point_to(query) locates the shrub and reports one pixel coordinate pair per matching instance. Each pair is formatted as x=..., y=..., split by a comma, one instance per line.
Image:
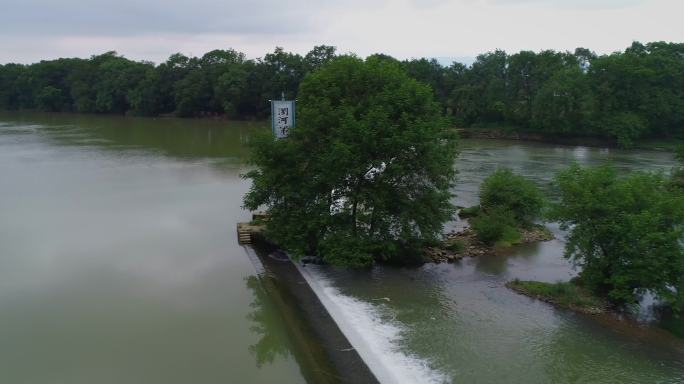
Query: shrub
x=505, y=190
x=510, y=236
x=457, y=246
x=491, y=227
x=468, y=212
x=344, y=248
x=677, y=179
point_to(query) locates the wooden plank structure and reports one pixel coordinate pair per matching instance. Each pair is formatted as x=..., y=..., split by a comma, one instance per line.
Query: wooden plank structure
x=246, y=230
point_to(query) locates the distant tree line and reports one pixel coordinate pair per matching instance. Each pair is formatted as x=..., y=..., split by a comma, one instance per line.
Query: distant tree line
x=624, y=95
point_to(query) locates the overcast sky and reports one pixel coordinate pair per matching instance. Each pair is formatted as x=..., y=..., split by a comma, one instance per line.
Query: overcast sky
x=31, y=30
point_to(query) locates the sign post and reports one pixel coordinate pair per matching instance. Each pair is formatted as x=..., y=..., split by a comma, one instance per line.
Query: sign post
x=282, y=117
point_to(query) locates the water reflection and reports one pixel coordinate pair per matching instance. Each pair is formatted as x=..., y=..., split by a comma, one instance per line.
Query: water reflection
x=220, y=140
x=118, y=262
x=266, y=324
x=285, y=322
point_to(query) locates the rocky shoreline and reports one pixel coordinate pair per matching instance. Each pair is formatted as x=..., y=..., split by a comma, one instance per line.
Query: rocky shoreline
x=457, y=245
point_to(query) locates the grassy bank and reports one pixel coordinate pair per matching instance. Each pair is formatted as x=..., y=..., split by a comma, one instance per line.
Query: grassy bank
x=562, y=294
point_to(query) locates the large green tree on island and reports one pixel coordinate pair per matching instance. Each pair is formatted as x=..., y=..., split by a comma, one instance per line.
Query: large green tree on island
x=365, y=175
x=625, y=233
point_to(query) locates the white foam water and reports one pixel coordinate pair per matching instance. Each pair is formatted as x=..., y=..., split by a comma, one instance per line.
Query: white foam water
x=375, y=339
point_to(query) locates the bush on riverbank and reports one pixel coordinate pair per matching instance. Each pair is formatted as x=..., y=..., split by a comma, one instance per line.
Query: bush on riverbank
x=677, y=178
x=508, y=203
x=624, y=231
x=506, y=190
x=494, y=226
x=468, y=212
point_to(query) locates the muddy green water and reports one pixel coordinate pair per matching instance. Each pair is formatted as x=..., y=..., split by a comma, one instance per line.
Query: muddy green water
x=119, y=264
x=118, y=257
x=459, y=323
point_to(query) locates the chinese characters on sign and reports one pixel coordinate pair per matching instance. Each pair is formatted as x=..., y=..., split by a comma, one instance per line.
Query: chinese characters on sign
x=283, y=117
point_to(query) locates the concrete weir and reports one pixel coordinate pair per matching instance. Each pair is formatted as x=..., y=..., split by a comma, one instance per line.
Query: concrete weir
x=320, y=347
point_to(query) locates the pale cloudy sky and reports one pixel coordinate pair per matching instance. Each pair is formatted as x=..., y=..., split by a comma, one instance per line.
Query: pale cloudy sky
x=31, y=30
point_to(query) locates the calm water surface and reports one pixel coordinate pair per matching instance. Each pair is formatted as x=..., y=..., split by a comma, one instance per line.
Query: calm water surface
x=119, y=264
x=118, y=258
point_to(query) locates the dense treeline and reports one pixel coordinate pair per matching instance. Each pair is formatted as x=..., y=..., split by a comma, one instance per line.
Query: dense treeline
x=625, y=95
x=220, y=82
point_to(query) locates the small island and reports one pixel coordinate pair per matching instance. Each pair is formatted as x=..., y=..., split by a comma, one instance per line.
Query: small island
x=624, y=232
x=510, y=205
x=466, y=243
x=367, y=178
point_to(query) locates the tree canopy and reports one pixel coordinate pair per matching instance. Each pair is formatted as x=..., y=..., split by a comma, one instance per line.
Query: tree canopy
x=508, y=202
x=507, y=190
x=365, y=175
x=625, y=232
x=623, y=96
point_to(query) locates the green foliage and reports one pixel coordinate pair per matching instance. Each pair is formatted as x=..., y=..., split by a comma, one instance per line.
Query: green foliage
x=494, y=225
x=625, y=127
x=456, y=246
x=343, y=248
x=511, y=236
x=319, y=56
x=219, y=82
x=468, y=212
x=505, y=190
x=564, y=103
x=625, y=96
x=49, y=99
x=625, y=232
x=367, y=173
x=507, y=201
x=679, y=154
x=564, y=294
x=677, y=178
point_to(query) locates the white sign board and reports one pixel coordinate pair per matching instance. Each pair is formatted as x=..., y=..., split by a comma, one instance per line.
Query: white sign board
x=283, y=117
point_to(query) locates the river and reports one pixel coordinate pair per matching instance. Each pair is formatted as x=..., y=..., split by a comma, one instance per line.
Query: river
x=119, y=263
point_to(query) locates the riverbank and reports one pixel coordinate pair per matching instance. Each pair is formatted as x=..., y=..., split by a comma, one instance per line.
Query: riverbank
x=653, y=144
x=486, y=133
x=562, y=294
x=465, y=243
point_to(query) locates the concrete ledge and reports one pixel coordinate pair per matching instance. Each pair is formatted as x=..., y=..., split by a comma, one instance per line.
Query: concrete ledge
x=322, y=350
